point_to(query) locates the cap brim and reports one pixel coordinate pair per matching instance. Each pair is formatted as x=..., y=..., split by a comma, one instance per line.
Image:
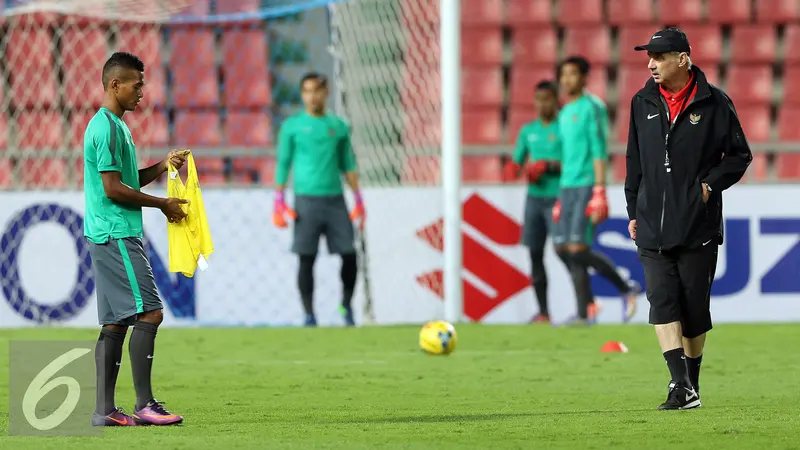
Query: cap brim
x=655, y=48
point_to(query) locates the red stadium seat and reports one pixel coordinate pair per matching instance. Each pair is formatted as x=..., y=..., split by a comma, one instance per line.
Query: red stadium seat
x=30, y=64
x=44, y=173
x=598, y=82
x=482, y=12
x=149, y=128
x=624, y=12
x=481, y=46
x=477, y=169
x=254, y=170
x=593, y=43
x=481, y=86
x=246, y=68
x=706, y=41
x=788, y=118
x=193, y=68
x=630, y=37
x=238, y=6
x=756, y=122
x=248, y=128
x=85, y=48
x=421, y=170
x=78, y=121
x=3, y=132
x=791, y=44
x=6, y=174
x=787, y=166
x=791, y=89
x=759, y=168
x=712, y=74
x=197, y=129
x=535, y=46
x=753, y=44
x=518, y=118
x=729, y=12
x=750, y=85
x=622, y=122
x=619, y=167
x=630, y=79
x=482, y=127
x=524, y=81
x=673, y=12
x=580, y=12
x=39, y=130
x=529, y=12
x=210, y=171
x=197, y=8
x=777, y=11
x=145, y=42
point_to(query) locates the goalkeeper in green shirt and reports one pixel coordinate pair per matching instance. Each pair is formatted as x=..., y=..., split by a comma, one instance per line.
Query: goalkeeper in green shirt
x=582, y=202
x=538, y=155
x=316, y=145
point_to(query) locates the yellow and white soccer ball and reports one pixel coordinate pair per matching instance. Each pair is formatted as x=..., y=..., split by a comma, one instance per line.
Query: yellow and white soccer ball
x=437, y=338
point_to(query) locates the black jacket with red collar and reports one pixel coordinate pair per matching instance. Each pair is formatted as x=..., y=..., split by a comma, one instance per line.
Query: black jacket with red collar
x=668, y=163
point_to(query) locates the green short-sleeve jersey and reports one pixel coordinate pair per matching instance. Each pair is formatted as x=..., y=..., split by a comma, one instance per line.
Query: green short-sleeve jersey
x=583, y=128
x=108, y=146
x=318, y=149
x=539, y=141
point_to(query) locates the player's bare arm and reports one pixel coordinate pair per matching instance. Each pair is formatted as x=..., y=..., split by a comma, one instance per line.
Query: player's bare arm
x=117, y=191
x=149, y=174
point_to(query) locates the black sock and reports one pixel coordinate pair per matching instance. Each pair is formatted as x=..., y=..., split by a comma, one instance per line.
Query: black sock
x=676, y=361
x=583, y=287
x=141, y=347
x=693, y=365
x=305, y=282
x=349, y=275
x=107, y=358
x=539, y=280
x=603, y=266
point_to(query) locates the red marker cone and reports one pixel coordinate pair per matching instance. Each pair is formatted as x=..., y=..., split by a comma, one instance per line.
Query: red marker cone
x=614, y=347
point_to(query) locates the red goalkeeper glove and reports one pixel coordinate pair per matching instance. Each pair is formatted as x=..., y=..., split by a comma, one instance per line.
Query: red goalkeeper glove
x=511, y=171
x=281, y=210
x=535, y=170
x=358, y=214
x=597, y=208
x=557, y=211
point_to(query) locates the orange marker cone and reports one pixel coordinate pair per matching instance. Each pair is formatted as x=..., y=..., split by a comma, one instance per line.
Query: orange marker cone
x=614, y=347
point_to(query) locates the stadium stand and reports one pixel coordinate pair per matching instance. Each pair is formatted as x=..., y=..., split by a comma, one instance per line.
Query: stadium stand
x=212, y=87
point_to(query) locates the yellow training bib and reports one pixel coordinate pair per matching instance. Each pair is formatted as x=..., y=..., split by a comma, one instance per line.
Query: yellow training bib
x=190, y=242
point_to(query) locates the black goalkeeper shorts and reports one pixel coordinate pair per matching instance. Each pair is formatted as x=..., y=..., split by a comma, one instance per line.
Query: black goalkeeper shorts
x=679, y=286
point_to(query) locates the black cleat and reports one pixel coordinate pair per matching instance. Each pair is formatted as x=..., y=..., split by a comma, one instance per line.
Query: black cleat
x=681, y=397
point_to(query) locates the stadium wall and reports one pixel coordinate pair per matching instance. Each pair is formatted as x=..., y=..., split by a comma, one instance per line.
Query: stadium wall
x=46, y=273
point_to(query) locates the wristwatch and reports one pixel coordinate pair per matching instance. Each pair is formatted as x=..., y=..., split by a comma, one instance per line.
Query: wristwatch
x=708, y=188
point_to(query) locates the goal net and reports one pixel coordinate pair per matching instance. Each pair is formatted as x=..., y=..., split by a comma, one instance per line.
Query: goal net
x=221, y=77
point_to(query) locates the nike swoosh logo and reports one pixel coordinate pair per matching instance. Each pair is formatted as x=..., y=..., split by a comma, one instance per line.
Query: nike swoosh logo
x=689, y=396
x=652, y=116
x=151, y=356
x=707, y=242
x=121, y=422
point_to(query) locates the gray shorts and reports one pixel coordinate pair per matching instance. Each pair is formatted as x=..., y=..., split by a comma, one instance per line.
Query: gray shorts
x=574, y=227
x=317, y=216
x=538, y=221
x=123, y=280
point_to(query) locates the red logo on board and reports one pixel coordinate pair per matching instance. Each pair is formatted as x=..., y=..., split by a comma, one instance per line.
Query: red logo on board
x=505, y=279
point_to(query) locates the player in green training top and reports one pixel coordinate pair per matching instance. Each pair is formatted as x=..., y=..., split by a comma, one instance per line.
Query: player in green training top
x=539, y=151
x=582, y=203
x=125, y=287
x=316, y=145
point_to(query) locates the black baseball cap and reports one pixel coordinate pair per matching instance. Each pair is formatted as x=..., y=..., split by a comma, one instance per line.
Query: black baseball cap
x=667, y=40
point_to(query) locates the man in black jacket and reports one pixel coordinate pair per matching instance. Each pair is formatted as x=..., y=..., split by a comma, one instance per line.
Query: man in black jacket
x=685, y=147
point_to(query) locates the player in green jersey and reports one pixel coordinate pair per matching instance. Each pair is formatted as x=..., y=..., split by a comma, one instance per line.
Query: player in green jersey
x=582, y=202
x=124, y=283
x=316, y=145
x=538, y=150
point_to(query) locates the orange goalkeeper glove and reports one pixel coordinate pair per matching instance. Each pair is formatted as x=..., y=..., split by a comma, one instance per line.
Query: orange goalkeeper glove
x=281, y=210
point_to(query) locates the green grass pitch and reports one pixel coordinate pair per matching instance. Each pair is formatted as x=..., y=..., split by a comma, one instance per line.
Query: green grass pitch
x=504, y=387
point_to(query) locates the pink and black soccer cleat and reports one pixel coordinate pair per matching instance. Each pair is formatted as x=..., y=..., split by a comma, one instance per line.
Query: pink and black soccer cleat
x=153, y=413
x=540, y=318
x=116, y=418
